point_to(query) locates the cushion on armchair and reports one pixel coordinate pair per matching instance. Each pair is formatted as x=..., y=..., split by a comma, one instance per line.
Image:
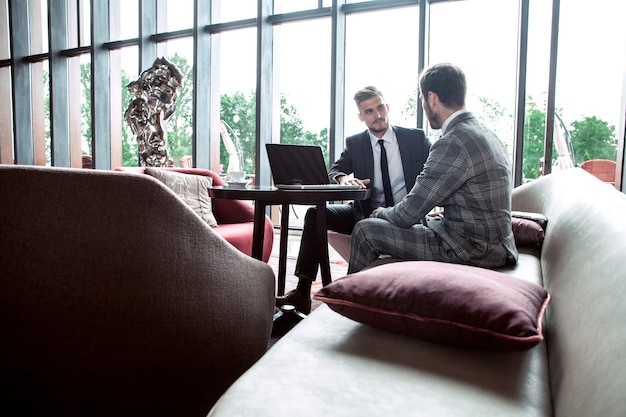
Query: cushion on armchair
x=192, y=189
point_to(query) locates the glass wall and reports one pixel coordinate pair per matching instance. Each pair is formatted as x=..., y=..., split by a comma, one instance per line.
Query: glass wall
x=236, y=78
x=124, y=24
x=229, y=11
x=311, y=66
x=537, y=82
x=590, y=65
x=179, y=126
x=6, y=92
x=466, y=34
x=173, y=15
x=128, y=69
x=382, y=50
x=287, y=6
x=302, y=75
x=39, y=82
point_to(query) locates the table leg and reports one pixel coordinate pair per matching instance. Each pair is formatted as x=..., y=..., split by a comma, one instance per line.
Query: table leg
x=282, y=256
x=322, y=237
x=258, y=234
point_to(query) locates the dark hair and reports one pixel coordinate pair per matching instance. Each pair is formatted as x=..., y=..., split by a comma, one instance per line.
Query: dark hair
x=447, y=81
x=366, y=93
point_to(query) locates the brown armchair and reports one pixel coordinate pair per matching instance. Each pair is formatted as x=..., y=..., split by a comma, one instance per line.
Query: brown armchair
x=117, y=299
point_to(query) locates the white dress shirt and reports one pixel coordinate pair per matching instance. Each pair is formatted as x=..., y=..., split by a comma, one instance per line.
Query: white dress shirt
x=396, y=173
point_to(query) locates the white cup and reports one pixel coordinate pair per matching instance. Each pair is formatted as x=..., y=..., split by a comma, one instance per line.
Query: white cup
x=237, y=176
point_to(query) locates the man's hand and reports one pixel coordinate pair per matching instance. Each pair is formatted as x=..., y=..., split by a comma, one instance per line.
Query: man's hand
x=350, y=180
x=376, y=211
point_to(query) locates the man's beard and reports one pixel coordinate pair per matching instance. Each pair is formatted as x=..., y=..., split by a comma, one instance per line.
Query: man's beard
x=432, y=118
x=380, y=130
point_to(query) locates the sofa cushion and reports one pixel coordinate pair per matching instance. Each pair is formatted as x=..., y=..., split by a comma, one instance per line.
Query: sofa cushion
x=528, y=228
x=527, y=232
x=192, y=189
x=443, y=303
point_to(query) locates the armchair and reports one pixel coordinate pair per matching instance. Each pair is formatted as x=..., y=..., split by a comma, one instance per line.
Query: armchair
x=117, y=299
x=603, y=169
x=235, y=218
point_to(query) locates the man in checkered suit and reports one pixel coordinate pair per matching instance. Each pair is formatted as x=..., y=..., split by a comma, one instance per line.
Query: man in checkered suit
x=467, y=174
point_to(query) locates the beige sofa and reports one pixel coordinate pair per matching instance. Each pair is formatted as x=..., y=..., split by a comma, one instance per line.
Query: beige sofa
x=329, y=365
x=117, y=299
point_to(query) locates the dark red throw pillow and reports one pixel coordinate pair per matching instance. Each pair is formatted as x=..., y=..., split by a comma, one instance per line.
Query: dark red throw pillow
x=443, y=303
x=527, y=232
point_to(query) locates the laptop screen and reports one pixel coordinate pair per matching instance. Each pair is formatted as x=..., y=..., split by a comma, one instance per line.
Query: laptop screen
x=297, y=164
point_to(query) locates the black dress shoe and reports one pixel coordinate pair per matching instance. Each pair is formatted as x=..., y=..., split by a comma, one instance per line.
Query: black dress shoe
x=295, y=299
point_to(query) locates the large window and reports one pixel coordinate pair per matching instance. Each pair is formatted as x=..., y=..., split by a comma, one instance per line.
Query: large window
x=124, y=24
x=589, y=70
x=179, y=126
x=303, y=80
x=286, y=6
x=173, y=15
x=64, y=93
x=229, y=11
x=382, y=50
x=236, y=77
x=6, y=93
x=466, y=34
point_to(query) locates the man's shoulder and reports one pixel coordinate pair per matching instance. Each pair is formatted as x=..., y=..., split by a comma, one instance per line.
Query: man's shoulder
x=465, y=120
x=407, y=129
x=412, y=132
x=364, y=135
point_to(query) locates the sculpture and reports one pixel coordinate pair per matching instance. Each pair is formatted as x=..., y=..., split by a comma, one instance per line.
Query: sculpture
x=155, y=100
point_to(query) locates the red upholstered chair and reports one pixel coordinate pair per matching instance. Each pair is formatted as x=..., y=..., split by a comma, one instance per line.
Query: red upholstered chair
x=235, y=218
x=603, y=169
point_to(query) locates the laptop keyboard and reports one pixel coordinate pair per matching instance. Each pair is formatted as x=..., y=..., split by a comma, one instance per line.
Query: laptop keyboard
x=317, y=187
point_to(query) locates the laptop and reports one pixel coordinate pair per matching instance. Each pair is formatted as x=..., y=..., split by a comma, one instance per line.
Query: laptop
x=300, y=167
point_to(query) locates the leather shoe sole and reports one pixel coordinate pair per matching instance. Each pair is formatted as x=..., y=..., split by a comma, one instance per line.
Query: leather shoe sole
x=295, y=299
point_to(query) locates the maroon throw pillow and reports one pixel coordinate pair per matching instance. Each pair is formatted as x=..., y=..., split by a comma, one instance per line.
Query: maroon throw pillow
x=527, y=232
x=443, y=303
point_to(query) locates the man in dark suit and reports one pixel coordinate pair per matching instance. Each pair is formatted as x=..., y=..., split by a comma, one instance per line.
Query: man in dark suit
x=467, y=173
x=406, y=151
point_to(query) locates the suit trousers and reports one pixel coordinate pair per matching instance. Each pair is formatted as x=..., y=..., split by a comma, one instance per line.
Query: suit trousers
x=375, y=237
x=339, y=218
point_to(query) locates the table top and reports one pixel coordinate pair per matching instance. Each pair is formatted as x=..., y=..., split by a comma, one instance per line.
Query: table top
x=278, y=196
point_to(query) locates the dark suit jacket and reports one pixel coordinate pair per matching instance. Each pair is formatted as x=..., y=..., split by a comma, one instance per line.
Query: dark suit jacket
x=358, y=158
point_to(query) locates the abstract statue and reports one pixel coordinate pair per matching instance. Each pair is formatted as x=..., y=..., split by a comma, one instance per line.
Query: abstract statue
x=155, y=95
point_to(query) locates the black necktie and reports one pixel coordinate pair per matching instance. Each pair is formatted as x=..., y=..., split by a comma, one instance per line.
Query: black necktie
x=385, y=171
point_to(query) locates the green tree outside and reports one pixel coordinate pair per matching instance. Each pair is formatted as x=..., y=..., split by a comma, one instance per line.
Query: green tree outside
x=534, y=138
x=85, y=105
x=591, y=137
x=178, y=127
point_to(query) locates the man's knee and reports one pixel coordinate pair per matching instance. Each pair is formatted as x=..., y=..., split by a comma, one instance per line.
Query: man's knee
x=310, y=216
x=360, y=231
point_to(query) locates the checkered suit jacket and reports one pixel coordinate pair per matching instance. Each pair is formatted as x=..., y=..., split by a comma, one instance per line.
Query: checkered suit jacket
x=467, y=173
